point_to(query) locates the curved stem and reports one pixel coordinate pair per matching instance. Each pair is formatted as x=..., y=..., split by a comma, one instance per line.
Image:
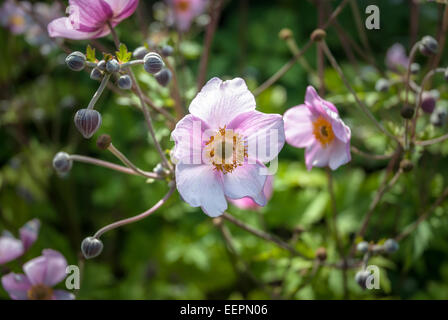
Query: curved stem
x=98, y=92
x=139, y=217
x=112, y=166
x=407, y=86
x=432, y=141
x=371, y=156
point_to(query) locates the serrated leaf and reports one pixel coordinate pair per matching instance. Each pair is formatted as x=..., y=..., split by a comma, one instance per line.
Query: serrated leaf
x=90, y=54
x=123, y=55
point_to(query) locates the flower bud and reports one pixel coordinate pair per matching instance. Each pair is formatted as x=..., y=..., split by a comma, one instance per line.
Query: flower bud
x=285, y=34
x=167, y=50
x=96, y=74
x=91, y=247
x=103, y=142
x=321, y=254
x=428, y=46
x=362, y=247
x=140, y=53
x=87, y=121
x=407, y=112
x=406, y=165
x=153, y=63
x=318, y=35
x=415, y=68
x=124, y=82
x=62, y=162
x=382, y=85
x=429, y=99
x=112, y=66
x=101, y=65
x=163, y=77
x=439, y=117
x=159, y=170
x=446, y=74
x=361, y=278
x=76, y=61
x=391, y=246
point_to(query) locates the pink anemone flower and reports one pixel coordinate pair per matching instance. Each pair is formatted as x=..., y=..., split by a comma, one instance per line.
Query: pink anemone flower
x=41, y=274
x=396, y=57
x=249, y=204
x=89, y=19
x=316, y=126
x=12, y=248
x=220, y=147
x=184, y=11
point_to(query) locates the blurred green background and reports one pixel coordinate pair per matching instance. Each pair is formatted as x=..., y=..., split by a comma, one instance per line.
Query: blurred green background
x=178, y=253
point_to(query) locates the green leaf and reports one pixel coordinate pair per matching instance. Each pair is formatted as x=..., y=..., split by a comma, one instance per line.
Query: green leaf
x=90, y=54
x=123, y=55
x=107, y=56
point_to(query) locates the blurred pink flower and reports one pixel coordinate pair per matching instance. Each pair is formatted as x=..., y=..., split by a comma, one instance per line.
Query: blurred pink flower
x=88, y=18
x=41, y=274
x=249, y=204
x=14, y=17
x=185, y=11
x=316, y=126
x=12, y=248
x=219, y=147
x=396, y=57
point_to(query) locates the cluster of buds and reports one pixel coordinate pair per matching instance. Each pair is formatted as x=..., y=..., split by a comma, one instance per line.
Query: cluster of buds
x=389, y=246
x=153, y=63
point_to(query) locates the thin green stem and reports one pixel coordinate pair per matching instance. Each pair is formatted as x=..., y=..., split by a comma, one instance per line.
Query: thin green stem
x=99, y=92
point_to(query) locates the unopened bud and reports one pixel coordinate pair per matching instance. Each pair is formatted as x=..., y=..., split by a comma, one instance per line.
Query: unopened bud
x=382, y=85
x=91, y=247
x=76, y=61
x=87, y=121
x=321, y=254
x=101, y=65
x=391, y=246
x=62, y=162
x=407, y=112
x=428, y=46
x=361, y=278
x=429, y=99
x=153, y=63
x=167, y=50
x=415, y=68
x=140, y=53
x=112, y=66
x=285, y=34
x=163, y=77
x=362, y=247
x=124, y=82
x=103, y=141
x=318, y=35
x=96, y=74
x=439, y=117
x=406, y=165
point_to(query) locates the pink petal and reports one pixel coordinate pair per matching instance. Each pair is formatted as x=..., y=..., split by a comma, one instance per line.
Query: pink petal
x=188, y=138
x=201, y=186
x=63, y=28
x=29, y=233
x=340, y=154
x=48, y=269
x=317, y=156
x=17, y=285
x=246, y=181
x=248, y=203
x=63, y=295
x=10, y=248
x=264, y=133
x=92, y=13
x=313, y=99
x=299, y=126
x=122, y=8
x=219, y=102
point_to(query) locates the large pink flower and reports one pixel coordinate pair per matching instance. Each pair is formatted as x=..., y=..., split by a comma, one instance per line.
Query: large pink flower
x=184, y=11
x=249, y=204
x=316, y=126
x=12, y=248
x=88, y=18
x=41, y=274
x=221, y=147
